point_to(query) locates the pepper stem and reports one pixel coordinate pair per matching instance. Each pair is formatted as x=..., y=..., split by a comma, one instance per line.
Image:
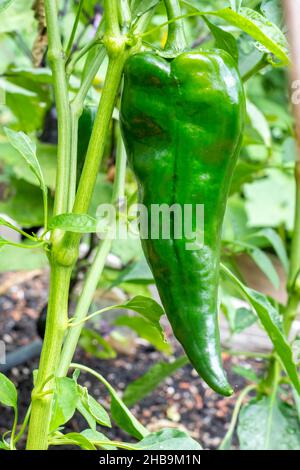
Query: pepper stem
x=176, y=38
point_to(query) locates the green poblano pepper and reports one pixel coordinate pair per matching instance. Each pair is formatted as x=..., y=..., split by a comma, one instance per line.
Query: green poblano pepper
x=182, y=122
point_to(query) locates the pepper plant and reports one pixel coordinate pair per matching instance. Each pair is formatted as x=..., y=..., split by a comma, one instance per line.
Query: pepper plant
x=183, y=135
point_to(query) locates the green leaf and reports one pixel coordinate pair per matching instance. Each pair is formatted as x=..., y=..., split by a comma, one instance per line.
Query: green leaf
x=268, y=424
x=46, y=154
x=272, y=10
x=266, y=265
x=259, y=123
x=145, y=384
x=79, y=439
x=95, y=413
x=27, y=149
x=97, y=437
x=78, y=223
x=246, y=372
x=86, y=414
x=65, y=401
x=147, y=307
x=257, y=26
x=24, y=204
x=271, y=321
x=94, y=344
x=5, y=4
x=98, y=412
x=120, y=413
x=168, y=439
x=139, y=7
x=16, y=16
x=270, y=200
x=145, y=330
x=13, y=259
x=152, y=312
x=137, y=273
x=277, y=244
x=8, y=392
x=223, y=40
x=4, y=446
x=243, y=319
x=124, y=418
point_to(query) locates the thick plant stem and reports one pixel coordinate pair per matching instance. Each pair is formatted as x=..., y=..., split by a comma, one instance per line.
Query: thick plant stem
x=96, y=269
x=56, y=60
x=57, y=314
x=69, y=244
x=57, y=321
x=83, y=306
x=176, y=38
x=98, y=137
x=76, y=111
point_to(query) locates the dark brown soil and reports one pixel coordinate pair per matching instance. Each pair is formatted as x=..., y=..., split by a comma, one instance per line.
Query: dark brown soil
x=183, y=400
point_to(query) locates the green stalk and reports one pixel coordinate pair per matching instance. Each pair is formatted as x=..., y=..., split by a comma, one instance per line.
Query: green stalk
x=57, y=322
x=70, y=242
x=76, y=111
x=81, y=53
x=226, y=442
x=295, y=247
x=125, y=14
x=95, y=270
x=57, y=315
x=98, y=138
x=176, y=38
x=74, y=29
x=112, y=18
x=56, y=60
x=83, y=306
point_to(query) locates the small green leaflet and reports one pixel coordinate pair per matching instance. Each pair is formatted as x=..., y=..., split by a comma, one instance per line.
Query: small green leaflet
x=79, y=223
x=256, y=25
x=276, y=242
x=153, y=334
x=66, y=397
x=265, y=264
x=147, y=307
x=94, y=408
x=27, y=149
x=145, y=384
x=139, y=7
x=259, y=123
x=168, y=439
x=8, y=392
x=99, y=439
x=79, y=440
x=119, y=411
x=151, y=311
x=271, y=321
x=223, y=39
x=261, y=29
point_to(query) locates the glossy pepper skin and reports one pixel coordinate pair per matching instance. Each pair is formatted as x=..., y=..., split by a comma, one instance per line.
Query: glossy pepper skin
x=182, y=122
